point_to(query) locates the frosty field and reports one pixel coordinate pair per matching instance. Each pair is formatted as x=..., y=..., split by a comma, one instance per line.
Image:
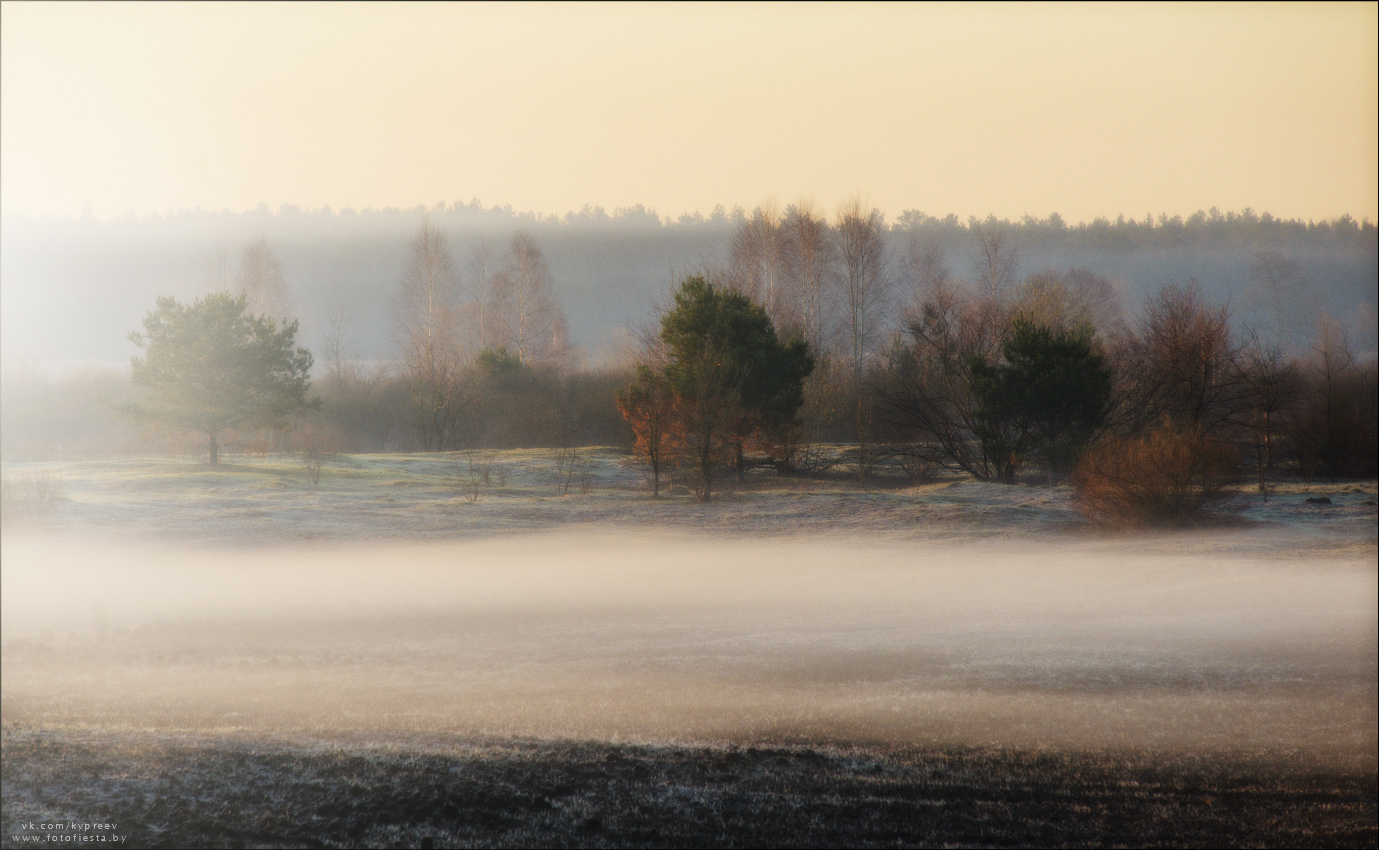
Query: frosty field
x=403, y=652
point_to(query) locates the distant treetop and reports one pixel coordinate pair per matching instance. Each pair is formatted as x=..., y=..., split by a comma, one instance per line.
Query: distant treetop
x=1202, y=229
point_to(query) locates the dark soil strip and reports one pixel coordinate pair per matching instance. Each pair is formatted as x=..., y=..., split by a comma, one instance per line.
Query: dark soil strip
x=171, y=792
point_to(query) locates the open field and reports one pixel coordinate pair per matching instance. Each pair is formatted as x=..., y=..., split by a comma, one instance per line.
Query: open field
x=243, y=658
x=431, y=496
x=176, y=792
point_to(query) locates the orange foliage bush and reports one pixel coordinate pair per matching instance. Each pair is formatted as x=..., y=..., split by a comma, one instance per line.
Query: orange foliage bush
x=1172, y=477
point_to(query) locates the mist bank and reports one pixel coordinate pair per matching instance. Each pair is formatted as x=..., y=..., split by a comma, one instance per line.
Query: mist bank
x=74, y=288
x=654, y=638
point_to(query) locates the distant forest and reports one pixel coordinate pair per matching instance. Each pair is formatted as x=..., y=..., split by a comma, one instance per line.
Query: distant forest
x=73, y=289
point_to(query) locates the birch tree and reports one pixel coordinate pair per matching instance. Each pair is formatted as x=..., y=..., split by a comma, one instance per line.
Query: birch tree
x=864, y=289
x=861, y=278
x=526, y=317
x=756, y=260
x=807, y=245
x=997, y=260
x=425, y=315
x=261, y=281
x=481, y=271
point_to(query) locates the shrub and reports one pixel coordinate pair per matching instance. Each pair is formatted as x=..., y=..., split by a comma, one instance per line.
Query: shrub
x=1171, y=477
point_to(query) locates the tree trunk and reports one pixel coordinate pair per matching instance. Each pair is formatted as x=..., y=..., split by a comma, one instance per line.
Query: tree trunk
x=1268, y=443
x=706, y=471
x=863, y=423
x=215, y=450
x=655, y=478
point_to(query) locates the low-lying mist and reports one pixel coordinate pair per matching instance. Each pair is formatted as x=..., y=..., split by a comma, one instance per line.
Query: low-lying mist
x=645, y=637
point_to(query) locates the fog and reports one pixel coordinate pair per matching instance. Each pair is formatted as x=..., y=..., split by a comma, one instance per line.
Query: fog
x=642, y=637
x=74, y=288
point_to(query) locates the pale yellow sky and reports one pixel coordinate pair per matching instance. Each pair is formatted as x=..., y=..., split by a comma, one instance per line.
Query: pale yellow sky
x=967, y=109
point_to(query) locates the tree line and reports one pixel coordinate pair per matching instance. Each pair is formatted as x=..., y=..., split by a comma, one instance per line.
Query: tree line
x=1211, y=227
x=917, y=352
x=607, y=266
x=1004, y=376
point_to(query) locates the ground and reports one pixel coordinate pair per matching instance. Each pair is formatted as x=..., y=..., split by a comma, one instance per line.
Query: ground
x=404, y=652
x=179, y=793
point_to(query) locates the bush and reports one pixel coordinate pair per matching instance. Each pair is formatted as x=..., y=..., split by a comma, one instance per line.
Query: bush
x=1172, y=477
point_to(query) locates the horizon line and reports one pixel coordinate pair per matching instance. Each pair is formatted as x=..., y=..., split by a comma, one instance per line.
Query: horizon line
x=642, y=213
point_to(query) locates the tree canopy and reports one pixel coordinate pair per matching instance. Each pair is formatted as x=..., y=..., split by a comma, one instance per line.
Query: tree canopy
x=723, y=330
x=728, y=379
x=210, y=367
x=1047, y=397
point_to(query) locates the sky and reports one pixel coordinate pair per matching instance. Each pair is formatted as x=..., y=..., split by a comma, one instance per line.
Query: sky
x=115, y=108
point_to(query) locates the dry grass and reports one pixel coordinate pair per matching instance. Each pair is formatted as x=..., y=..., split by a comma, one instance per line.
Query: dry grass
x=391, y=496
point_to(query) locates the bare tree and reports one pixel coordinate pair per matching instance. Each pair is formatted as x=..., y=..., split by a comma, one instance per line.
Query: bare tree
x=216, y=267
x=339, y=344
x=525, y=315
x=861, y=277
x=1046, y=300
x=997, y=259
x=337, y=339
x=807, y=248
x=1272, y=383
x=924, y=269
x=348, y=413
x=927, y=391
x=261, y=279
x=1099, y=299
x=756, y=261
x=481, y=271
x=1186, y=365
x=826, y=403
x=1278, y=291
x=1335, y=422
x=863, y=284
x=1064, y=300
x=426, y=322
x=810, y=268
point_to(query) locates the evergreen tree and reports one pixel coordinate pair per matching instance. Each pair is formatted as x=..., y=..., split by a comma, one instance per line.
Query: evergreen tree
x=731, y=376
x=210, y=367
x=1047, y=397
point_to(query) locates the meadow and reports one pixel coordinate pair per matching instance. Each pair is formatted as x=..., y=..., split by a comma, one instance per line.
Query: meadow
x=507, y=648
